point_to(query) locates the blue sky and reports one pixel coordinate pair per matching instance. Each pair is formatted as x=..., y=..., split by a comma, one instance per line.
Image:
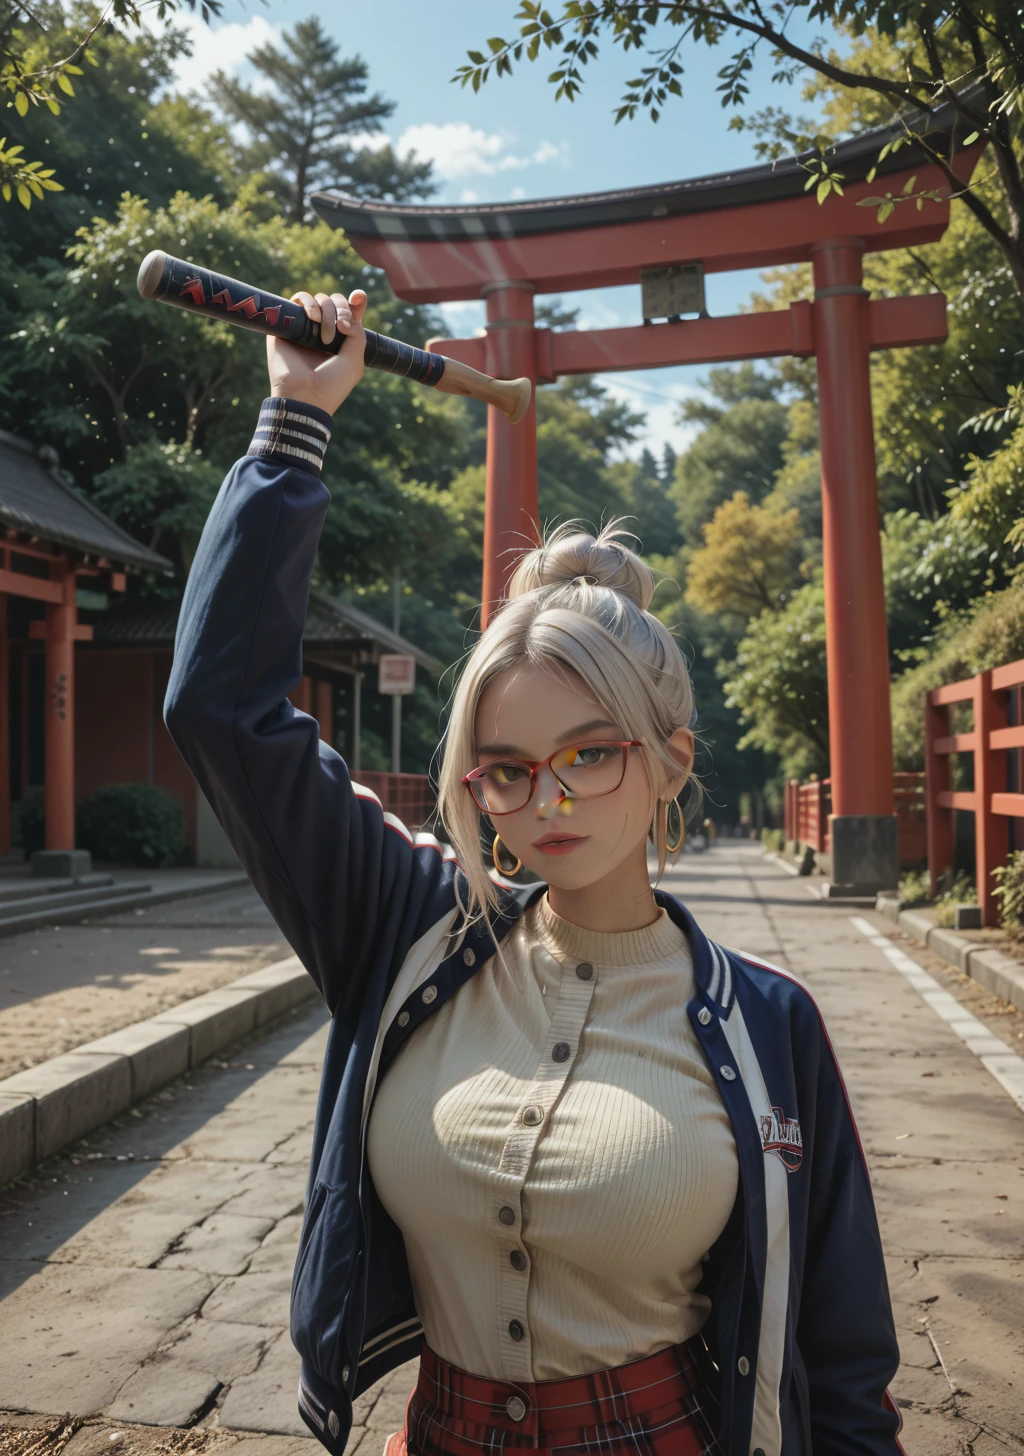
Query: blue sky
x=511, y=139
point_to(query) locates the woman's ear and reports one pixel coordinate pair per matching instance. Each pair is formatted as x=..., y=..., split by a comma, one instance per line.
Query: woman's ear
x=679, y=747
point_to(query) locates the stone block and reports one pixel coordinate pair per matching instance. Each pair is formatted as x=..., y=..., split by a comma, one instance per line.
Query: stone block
x=280, y=986
x=213, y=1021
x=865, y=851
x=17, y=1134
x=61, y=864
x=889, y=906
x=74, y=1094
x=952, y=947
x=156, y=1052
x=222, y=1244
x=997, y=973
x=916, y=923
x=266, y=1400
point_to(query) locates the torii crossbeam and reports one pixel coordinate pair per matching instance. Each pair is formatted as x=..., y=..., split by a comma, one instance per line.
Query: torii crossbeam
x=505, y=253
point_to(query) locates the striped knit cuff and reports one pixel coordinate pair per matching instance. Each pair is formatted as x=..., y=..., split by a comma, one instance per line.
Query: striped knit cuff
x=293, y=433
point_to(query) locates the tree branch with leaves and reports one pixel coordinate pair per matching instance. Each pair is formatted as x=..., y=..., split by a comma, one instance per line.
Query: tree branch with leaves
x=959, y=55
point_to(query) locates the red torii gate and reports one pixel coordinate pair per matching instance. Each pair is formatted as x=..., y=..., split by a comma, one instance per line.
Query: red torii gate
x=758, y=217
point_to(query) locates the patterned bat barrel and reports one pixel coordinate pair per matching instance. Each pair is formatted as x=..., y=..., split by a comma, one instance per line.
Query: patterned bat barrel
x=198, y=290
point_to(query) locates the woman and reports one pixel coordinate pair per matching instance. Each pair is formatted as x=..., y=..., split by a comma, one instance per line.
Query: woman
x=597, y=1172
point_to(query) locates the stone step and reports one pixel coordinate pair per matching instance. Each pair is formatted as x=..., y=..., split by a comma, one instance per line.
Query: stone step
x=111, y=899
x=29, y=889
x=76, y=905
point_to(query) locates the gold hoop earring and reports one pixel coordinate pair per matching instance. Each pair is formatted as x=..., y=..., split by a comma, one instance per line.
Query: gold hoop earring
x=497, y=863
x=674, y=848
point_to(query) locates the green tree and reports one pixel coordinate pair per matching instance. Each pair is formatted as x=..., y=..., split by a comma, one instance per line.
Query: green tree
x=149, y=405
x=748, y=563
x=42, y=47
x=304, y=132
x=117, y=135
x=739, y=448
x=778, y=684
x=968, y=56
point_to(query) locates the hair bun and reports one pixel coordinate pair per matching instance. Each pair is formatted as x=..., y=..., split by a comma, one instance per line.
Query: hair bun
x=571, y=557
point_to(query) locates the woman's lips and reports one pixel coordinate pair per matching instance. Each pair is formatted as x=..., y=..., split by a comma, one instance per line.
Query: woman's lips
x=561, y=845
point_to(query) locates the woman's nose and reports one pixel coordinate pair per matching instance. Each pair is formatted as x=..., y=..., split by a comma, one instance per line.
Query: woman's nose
x=550, y=797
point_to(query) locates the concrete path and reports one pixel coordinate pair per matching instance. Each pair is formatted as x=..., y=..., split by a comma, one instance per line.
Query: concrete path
x=66, y=985
x=144, y=1280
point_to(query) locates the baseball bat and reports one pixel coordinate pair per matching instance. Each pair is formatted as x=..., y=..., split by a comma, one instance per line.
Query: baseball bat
x=186, y=285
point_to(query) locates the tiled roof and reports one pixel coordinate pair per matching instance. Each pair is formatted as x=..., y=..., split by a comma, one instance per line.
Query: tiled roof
x=34, y=500
x=329, y=623
x=768, y=182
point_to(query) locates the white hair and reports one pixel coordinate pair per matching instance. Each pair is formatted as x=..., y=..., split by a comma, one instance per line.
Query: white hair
x=578, y=606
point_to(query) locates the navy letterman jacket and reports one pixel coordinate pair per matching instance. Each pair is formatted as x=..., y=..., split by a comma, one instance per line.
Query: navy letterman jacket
x=800, y=1327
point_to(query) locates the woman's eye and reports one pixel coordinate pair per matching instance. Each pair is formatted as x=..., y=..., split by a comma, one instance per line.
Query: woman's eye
x=505, y=773
x=589, y=757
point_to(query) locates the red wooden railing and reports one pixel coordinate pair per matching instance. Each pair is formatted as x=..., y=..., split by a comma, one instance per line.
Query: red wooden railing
x=409, y=796
x=808, y=806
x=988, y=740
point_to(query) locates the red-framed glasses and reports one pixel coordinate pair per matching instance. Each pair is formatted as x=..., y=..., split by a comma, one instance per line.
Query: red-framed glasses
x=583, y=771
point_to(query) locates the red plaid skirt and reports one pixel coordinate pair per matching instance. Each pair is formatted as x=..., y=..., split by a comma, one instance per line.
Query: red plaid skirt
x=663, y=1405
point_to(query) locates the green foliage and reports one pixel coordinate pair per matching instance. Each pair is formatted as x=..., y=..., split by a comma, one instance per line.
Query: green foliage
x=739, y=449
x=989, y=635
x=748, y=561
x=906, y=57
x=778, y=685
x=113, y=135
x=132, y=824
x=961, y=892
x=914, y=889
x=300, y=130
x=774, y=840
x=1009, y=892
x=162, y=493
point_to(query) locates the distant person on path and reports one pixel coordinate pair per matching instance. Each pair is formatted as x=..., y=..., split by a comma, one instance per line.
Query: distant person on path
x=597, y=1172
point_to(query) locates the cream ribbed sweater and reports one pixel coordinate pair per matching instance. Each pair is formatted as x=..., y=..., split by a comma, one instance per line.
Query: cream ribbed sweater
x=556, y=1155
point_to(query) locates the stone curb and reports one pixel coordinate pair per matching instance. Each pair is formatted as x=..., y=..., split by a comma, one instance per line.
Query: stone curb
x=46, y=1107
x=998, y=973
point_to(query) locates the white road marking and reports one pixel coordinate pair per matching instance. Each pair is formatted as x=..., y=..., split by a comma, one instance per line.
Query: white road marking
x=814, y=893
x=994, y=1055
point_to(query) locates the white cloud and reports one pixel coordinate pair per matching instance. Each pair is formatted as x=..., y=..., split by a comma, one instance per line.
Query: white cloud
x=468, y=195
x=459, y=150
x=517, y=193
x=223, y=48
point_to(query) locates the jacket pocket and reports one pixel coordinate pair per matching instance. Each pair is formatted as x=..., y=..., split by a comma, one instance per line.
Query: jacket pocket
x=321, y=1282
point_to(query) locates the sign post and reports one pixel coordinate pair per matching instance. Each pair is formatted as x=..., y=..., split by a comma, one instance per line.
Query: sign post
x=396, y=678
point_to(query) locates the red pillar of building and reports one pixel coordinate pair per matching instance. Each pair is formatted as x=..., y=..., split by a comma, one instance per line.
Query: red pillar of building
x=59, y=791
x=864, y=830
x=511, y=515
x=323, y=696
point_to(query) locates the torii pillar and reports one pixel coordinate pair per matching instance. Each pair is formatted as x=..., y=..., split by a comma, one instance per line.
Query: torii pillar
x=759, y=217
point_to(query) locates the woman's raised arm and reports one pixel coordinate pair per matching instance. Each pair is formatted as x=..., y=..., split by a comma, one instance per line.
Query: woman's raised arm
x=342, y=879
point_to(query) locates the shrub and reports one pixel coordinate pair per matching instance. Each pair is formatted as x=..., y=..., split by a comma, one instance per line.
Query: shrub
x=774, y=840
x=1010, y=893
x=132, y=824
x=961, y=892
x=914, y=889
x=30, y=822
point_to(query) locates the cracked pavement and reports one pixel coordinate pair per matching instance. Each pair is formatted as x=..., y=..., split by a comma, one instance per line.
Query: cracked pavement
x=144, y=1277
